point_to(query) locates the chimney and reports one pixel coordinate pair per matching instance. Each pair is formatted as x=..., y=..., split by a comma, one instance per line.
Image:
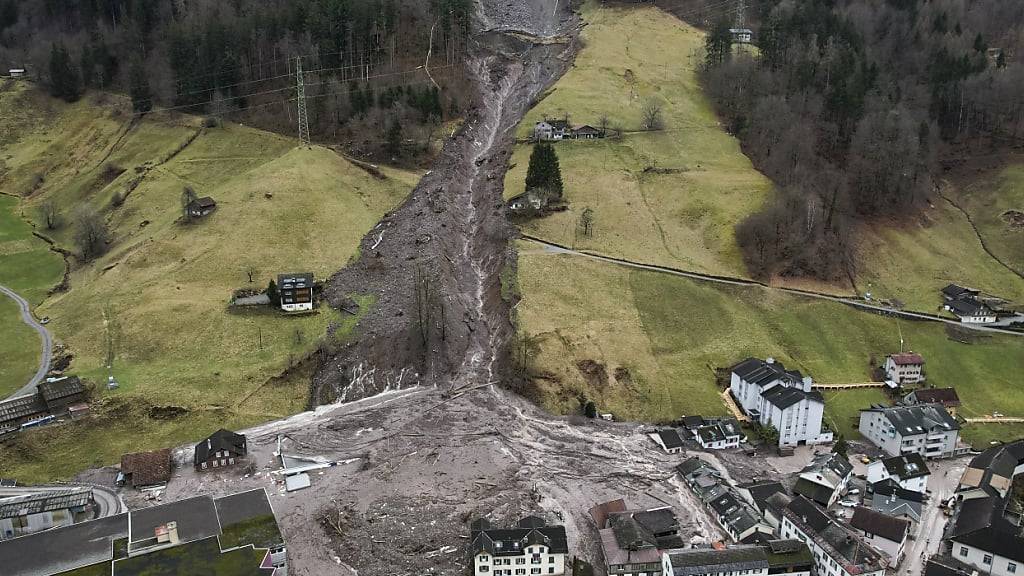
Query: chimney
x=808, y=382
x=209, y=444
x=167, y=534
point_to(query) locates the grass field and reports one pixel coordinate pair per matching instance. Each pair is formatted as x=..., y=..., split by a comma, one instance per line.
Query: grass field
x=681, y=218
x=156, y=303
x=988, y=201
x=28, y=267
x=671, y=333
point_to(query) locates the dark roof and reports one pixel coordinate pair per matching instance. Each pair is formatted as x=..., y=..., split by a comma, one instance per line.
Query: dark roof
x=198, y=557
x=691, y=465
x=784, y=397
x=947, y=566
x=658, y=520
x=906, y=466
x=1003, y=541
x=599, y=513
x=560, y=124
x=725, y=504
x=205, y=202
x=809, y=514
x=300, y=280
x=945, y=396
x=761, y=372
x=968, y=307
x=953, y=291
x=709, y=560
x=917, y=419
x=877, y=523
x=62, y=549
x=220, y=440
x=242, y=506
x=21, y=407
x=24, y=501
x=196, y=518
x=760, y=492
x=670, y=438
x=889, y=487
x=784, y=554
x=61, y=388
x=586, y=129
x=832, y=462
x=511, y=541
x=147, y=468
x=907, y=359
x=692, y=422
x=812, y=490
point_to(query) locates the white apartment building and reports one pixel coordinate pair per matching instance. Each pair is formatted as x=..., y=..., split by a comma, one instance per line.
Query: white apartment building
x=837, y=550
x=925, y=429
x=529, y=549
x=771, y=395
x=909, y=471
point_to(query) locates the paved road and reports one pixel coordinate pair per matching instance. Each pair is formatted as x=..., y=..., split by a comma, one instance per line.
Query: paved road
x=856, y=303
x=44, y=334
x=928, y=536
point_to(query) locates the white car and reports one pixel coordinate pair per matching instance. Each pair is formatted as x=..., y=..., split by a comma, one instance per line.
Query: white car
x=847, y=503
x=853, y=491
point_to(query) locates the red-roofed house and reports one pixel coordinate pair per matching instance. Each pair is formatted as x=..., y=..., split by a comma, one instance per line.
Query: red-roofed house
x=905, y=368
x=945, y=396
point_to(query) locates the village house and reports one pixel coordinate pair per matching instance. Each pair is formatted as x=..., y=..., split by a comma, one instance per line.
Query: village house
x=825, y=479
x=925, y=429
x=771, y=395
x=945, y=565
x=586, y=132
x=888, y=534
x=221, y=449
x=529, y=202
x=908, y=471
x=888, y=497
x=964, y=303
x=548, y=129
x=692, y=422
x=531, y=547
x=945, y=396
x=31, y=509
x=296, y=292
x=720, y=434
x=759, y=494
x=904, y=368
x=669, y=440
x=790, y=557
x=985, y=532
x=144, y=469
x=741, y=521
x=837, y=550
x=201, y=207
x=634, y=540
x=238, y=534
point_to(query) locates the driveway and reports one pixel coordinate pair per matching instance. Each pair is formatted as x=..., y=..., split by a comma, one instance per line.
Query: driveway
x=44, y=335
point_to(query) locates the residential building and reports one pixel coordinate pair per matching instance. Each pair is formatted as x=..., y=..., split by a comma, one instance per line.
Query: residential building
x=945, y=396
x=904, y=368
x=909, y=471
x=227, y=536
x=201, y=207
x=886, y=533
x=771, y=395
x=955, y=292
x=295, y=291
x=925, y=429
x=825, y=479
x=719, y=434
x=773, y=557
x=758, y=493
x=24, y=510
x=221, y=449
x=986, y=529
x=633, y=540
x=887, y=496
x=971, y=311
x=529, y=202
x=586, y=132
x=723, y=501
x=943, y=565
x=668, y=439
x=741, y=35
x=552, y=130
x=143, y=469
x=692, y=422
x=837, y=550
x=530, y=548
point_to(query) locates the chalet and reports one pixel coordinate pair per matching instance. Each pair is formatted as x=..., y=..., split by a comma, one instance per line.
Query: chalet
x=741, y=35
x=201, y=207
x=904, y=368
x=528, y=202
x=223, y=448
x=586, y=132
x=945, y=396
x=494, y=551
x=972, y=311
x=668, y=440
x=908, y=471
x=296, y=291
x=143, y=469
x=886, y=533
x=552, y=130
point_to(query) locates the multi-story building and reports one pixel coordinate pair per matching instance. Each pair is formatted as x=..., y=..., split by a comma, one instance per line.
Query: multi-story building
x=530, y=548
x=633, y=541
x=771, y=395
x=790, y=557
x=232, y=535
x=295, y=291
x=904, y=368
x=837, y=550
x=925, y=429
x=32, y=509
x=724, y=502
x=909, y=471
x=825, y=478
x=886, y=533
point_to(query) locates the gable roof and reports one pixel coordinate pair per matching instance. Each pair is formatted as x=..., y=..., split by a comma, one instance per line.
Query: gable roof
x=147, y=468
x=709, y=560
x=670, y=438
x=947, y=566
x=760, y=492
x=813, y=491
x=968, y=307
x=917, y=419
x=692, y=422
x=511, y=541
x=15, y=502
x=812, y=516
x=906, y=359
x=889, y=488
x=220, y=440
x=763, y=372
x=879, y=524
x=58, y=388
x=21, y=407
x=953, y=291
x=691, y=465
x=784, y=397
x=944, y=396
x=906, y=466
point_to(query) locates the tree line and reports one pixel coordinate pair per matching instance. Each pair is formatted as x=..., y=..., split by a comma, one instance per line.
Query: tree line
x=849, y=105
x=212, y=57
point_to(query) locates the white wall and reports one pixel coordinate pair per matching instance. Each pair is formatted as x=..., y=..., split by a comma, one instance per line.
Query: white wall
x=999, y=565
x=487, y=565
x=894, y=550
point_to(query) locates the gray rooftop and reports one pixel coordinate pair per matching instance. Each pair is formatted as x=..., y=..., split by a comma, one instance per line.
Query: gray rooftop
x=196, y=518
x=62, y=549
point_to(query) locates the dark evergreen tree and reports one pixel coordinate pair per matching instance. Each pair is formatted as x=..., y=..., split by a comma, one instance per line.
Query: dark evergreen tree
x=718, y=44
x=544, y=172
x=64, y=79
x=142, y=97
x=394, y=139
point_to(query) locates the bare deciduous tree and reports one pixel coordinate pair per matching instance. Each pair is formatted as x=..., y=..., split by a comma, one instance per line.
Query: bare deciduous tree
x=50, y=214
x=91, y=235
x=651, y=115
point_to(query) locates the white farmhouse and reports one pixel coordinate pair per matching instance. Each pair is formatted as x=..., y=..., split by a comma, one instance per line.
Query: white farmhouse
x=925, y=429
x=529, y=549
x=552, y=130
x=771, y=395
x=908, y=471
x=904, y=368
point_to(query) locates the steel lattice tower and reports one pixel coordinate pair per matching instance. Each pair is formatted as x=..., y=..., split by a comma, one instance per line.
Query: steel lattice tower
x=301, y=98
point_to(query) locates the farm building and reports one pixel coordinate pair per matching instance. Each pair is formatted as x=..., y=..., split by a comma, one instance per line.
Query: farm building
x=223, y=448
x=201, y=207
x=142, y=469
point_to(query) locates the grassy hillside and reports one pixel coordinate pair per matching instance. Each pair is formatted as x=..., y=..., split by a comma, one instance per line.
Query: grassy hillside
x=996, y=206
x=156, y=303
x=670, y=334
x=28, y=267
x=681, y=214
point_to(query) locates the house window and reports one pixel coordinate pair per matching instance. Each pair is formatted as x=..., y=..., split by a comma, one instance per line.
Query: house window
x=534, y=570
x=485, y=568
x=551, y=570
x=987, y=559
x=204, y=465
x=520, y=560
x=1011, y=567
x=551, y=559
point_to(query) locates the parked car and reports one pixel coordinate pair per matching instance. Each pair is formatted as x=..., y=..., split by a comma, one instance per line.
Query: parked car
x=847, y=503
x=853, y=491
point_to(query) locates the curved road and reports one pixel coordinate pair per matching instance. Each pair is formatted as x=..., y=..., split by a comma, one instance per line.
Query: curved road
x=44, y=334
x=559, y=249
